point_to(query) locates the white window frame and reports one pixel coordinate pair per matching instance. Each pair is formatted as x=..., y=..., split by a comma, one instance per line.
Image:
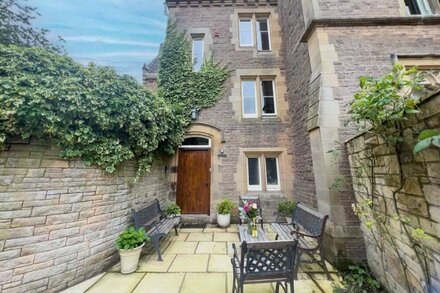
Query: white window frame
x=198, y=38
x=268, y=186
x=254, y=187
x=259, y=41
x=250, y=20
x=274, y=98
x=245, y=115
x=427, y=7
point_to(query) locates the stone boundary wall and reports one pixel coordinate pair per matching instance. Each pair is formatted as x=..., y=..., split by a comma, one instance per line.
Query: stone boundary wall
x=59, y=219
x=417, y=194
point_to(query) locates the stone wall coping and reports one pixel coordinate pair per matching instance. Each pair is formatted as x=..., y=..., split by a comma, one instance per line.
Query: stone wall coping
x=368, y=21
x=210, y=3
x=431, y=96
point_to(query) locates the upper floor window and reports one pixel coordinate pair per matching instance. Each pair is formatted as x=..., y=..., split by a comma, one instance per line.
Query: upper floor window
x=255, y=28
x=422, y=7
x=197, y=52
x=263, y=43
x=246, y=33
x=263, y=172
x=261, y=101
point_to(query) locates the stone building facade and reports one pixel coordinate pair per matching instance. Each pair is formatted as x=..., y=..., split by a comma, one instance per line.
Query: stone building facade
x=325, y=45
x=249, y=130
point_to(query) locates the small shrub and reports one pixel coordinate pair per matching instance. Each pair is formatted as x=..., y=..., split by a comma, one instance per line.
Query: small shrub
x=172, y=209
x=131, y=238
x=358, y=279
x=225, y=206
x=286, y=207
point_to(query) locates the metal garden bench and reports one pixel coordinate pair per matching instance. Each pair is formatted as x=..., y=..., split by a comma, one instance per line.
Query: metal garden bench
x=264, y=262
x=155, y=221
x=252, y=199
x=308, y=227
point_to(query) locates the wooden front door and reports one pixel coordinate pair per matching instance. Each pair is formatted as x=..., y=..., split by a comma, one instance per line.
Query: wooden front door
x=194, y=181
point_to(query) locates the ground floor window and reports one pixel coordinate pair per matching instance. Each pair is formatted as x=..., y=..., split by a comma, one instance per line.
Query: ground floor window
x=263, y=172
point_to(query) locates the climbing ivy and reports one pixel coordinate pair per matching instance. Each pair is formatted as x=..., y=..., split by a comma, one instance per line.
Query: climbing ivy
x=89, y=112
x=181, y=87
x=96, y=115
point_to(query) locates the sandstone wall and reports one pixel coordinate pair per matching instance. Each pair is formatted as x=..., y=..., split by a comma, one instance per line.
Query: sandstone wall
x=59, y=219
x=223, y=122
x=417, y=193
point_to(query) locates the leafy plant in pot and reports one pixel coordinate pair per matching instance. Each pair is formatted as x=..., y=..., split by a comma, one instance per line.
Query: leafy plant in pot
x=285, y=209
x=224, y=209
x=129, y=244
x=172, y=210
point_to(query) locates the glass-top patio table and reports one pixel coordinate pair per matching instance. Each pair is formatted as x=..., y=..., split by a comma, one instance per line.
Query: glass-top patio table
x=245, y=236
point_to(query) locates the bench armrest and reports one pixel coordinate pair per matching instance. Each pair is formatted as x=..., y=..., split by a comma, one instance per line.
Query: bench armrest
x=300, y=234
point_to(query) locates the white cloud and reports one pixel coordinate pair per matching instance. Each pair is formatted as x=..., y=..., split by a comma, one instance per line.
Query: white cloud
x=107, y=40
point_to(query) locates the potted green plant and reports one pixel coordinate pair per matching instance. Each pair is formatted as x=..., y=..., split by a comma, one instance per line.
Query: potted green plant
x=129, y=244
x=224, y=209
x=172, y=210
x=286, y=208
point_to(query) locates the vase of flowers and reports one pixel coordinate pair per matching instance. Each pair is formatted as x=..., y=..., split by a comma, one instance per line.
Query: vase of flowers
x=250, y=211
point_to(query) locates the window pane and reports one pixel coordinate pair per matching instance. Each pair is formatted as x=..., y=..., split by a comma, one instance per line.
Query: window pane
x=263, y=42
x=268, y=99
x=249, y=99
x=253, y=171
x=197, y=54
x=267, y=86
x=245, y=32
x=195, y=141
x=424, y=7
x=272, y=171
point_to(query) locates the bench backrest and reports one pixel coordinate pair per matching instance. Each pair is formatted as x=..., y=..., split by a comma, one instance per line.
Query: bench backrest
x=309, y=220
x=268, y=260
x=147, y=215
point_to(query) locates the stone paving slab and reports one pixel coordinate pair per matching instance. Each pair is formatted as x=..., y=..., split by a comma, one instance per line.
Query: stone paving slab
x=190, y=263
x=220, y=263
x=233, y=237
x=200, y=236
x=160, y=283
x=116, y=282
x=181, y=247
x=204, y=282
x=211, y=248
x=150, y=263
x=196, y=261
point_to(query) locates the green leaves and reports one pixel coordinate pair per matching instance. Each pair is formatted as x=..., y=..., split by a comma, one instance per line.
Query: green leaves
x=382, y=102
x=427, y=138
x=182, y=88
x=131, y=238
x=90, y=112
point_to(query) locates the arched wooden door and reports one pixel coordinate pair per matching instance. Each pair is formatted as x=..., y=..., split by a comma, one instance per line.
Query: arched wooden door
x=194, y=176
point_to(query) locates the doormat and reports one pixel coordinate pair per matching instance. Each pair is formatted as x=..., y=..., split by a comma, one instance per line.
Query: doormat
x=193, y=225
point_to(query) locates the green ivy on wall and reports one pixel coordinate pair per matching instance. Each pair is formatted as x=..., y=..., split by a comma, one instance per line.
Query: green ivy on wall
x=96, y=115
x=181, y=87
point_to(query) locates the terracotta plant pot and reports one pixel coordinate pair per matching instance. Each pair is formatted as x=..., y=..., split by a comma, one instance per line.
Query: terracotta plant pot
x=224, y=220
x=130, y=259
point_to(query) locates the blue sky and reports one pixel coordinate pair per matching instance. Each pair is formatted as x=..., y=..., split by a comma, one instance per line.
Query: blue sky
x=123, y=34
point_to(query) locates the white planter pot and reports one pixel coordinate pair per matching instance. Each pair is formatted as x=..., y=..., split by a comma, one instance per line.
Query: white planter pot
x=130, y=259
x=224, y=220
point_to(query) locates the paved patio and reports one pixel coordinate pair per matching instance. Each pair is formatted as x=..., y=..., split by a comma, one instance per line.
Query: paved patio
x=198, y=260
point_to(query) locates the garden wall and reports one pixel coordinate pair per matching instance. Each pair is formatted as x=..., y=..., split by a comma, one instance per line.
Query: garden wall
x=417, y=195
x=59, y=219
